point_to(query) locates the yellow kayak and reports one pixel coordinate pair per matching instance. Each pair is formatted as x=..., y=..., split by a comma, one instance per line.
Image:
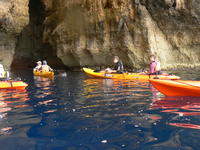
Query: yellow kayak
x=126, y=76
x=13, y=85
x=44, y=74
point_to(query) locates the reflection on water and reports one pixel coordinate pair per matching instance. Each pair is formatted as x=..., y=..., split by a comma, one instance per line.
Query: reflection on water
x=10, y=101
x=44, y=91
x=115, y=97
x=76, y=112
x=182, y=107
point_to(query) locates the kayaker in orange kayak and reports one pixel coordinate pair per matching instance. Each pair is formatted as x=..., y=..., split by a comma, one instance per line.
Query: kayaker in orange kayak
x=118, y=68
x=4, y=75
x=154, y=66
x=2, y=71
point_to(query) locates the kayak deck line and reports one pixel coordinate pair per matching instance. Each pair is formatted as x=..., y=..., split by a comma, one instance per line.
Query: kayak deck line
x=181, y=81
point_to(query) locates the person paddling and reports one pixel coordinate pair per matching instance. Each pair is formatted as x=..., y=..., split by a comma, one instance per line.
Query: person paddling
x=118, y=68
x=4, y=75
x=46, y=67
x=2, y=71
x=38, y=67
x=154, y=66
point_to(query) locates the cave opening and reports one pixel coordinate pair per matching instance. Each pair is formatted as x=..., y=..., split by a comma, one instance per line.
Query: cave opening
x=30, y=46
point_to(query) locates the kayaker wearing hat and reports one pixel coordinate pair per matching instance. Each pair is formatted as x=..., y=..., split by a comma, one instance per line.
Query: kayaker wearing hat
x=46, y=67
x=38, y=67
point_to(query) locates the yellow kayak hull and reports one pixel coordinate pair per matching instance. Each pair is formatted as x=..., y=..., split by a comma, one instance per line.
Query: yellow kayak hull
x=43, y=74
x=126, y=76
x=13, y=85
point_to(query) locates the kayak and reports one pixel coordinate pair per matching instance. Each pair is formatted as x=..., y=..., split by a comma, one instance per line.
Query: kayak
x=44, y=74
x=126, y=76
x=13, y=85
x=177, y=87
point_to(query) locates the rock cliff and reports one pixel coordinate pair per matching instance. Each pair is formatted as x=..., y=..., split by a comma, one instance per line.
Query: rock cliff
x=90, y=32
x=14, y=17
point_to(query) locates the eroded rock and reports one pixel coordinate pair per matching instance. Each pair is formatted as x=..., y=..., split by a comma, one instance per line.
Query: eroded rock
x=88, y=32
x=14, y=17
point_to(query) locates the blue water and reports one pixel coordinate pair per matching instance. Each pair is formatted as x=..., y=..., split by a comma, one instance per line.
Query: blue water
x=79, y=113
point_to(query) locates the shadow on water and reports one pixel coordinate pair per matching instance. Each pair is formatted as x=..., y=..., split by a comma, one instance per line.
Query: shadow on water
x=80, y=113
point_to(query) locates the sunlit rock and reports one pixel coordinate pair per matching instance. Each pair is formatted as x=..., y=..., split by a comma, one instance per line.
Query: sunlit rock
x=88, y=32
x=13, y=18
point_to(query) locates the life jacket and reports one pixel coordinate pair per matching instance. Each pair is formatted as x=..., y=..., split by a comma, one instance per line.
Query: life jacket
x=153, y=67
x=119, y=66
x=45, y=68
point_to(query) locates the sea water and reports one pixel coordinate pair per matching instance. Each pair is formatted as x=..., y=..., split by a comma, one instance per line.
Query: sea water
x=74, y=112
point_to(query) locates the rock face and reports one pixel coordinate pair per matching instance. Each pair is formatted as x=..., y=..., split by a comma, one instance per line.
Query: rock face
x=90, y=32
x=14, y=17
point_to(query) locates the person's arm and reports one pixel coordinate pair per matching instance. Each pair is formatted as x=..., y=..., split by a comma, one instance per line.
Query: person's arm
x=50, y=68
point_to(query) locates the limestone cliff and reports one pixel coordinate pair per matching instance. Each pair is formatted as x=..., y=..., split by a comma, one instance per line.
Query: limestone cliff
x=89, y=32
x=14, y=17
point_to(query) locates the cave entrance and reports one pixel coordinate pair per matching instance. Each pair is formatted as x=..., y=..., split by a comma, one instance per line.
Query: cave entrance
x=30, y=46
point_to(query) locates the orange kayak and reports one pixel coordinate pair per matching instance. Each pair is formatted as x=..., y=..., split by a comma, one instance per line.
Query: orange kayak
x=177, y=87
x=13, y=85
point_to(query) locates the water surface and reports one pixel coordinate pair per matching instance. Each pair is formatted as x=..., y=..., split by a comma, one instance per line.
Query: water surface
x=80, y=113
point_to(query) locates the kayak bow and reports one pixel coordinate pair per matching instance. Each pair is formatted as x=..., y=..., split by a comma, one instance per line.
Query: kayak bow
x=177, y=87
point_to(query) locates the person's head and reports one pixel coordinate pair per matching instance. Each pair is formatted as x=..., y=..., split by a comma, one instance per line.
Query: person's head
x=116, y=59
x=44, y=62
x=39, y=63
x=152, y=58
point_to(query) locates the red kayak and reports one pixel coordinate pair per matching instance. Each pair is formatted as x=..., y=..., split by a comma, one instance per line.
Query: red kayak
x=177, y=87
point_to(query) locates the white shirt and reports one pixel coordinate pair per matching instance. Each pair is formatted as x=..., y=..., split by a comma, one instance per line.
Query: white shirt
x=2, y=71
